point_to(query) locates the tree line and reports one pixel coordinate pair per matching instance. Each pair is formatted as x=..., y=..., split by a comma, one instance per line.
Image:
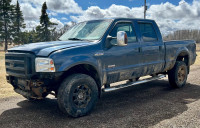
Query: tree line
x=13, y=28
x=184, y=35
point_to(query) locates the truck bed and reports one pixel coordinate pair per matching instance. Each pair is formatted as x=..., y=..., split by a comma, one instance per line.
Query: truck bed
x=176, y=47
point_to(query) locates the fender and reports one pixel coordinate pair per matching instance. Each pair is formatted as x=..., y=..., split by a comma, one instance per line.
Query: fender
x=182, y=50
x=77, y=60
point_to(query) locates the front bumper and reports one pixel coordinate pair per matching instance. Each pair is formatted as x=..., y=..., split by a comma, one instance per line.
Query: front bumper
x=28, y=88
x=37, y=86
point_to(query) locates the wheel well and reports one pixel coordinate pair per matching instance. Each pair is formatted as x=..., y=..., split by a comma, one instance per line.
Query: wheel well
x=183, y=57
x=84, y=69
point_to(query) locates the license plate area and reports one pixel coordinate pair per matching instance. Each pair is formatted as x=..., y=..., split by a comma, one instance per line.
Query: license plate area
x=23, y=84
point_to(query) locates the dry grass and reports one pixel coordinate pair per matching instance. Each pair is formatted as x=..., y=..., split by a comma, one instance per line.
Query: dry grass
x=9, y=46
x=198, y=47
x=6, y=90
x=197, y=59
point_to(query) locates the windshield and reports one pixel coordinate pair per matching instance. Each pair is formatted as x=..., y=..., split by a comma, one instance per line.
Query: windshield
x=89, y=30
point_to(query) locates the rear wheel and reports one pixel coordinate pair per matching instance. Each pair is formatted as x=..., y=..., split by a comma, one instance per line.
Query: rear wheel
x=77, y=95
x=178, y=75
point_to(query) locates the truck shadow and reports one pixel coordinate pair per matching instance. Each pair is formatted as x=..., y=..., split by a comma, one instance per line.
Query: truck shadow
x=138, y=106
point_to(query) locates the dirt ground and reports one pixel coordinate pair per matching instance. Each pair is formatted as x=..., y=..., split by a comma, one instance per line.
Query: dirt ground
x=153, y=104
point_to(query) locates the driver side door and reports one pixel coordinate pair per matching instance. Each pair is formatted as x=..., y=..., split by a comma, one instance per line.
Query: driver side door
x=122, y=62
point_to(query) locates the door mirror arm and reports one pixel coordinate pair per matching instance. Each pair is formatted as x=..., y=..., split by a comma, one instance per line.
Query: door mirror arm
x=110, y=38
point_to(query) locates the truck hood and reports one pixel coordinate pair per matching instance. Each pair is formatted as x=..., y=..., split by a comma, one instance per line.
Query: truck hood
x=46, y=48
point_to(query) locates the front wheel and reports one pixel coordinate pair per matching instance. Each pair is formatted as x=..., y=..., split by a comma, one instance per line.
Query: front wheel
x=77, y=95
x=178, y=75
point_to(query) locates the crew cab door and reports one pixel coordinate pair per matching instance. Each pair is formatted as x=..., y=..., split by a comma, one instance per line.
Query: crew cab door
x=152, y=48
x=121, y=62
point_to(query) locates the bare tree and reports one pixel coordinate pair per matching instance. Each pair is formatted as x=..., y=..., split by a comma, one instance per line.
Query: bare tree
x=184, y=35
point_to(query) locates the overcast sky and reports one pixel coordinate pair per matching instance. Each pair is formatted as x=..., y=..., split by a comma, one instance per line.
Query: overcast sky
x=169, y=14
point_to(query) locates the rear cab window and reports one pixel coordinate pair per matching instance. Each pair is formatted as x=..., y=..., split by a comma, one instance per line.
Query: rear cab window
x=148, y=32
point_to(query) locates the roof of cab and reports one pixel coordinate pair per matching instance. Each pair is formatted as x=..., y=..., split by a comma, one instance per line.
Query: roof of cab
x=120, y=18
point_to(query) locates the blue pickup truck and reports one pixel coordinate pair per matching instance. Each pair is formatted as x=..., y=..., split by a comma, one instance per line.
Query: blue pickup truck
x=93, y=54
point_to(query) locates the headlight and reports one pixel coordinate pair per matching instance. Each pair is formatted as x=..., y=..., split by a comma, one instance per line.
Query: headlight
x=44, y=65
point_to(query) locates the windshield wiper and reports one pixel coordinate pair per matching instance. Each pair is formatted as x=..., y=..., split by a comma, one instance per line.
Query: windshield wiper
x=74, y=39
x=79, y=39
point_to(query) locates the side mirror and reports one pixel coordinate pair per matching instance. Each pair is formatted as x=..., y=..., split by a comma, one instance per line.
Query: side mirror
x=122, y=39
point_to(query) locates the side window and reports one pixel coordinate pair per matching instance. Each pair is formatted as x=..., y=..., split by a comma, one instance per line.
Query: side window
x=128, y=28
x=148, y=32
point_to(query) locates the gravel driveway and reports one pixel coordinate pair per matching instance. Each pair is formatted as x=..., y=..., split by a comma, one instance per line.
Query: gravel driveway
x=152, y=104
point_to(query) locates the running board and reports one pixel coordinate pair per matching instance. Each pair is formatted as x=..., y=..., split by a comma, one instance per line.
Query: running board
x=133, y=83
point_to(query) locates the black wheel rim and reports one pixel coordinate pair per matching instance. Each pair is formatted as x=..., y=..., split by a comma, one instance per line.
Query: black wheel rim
x=82, y=96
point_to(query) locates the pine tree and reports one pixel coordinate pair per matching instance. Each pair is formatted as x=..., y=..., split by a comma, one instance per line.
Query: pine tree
x=39, y=34
x=5, y=21
x=18, y=22
x=44, y=31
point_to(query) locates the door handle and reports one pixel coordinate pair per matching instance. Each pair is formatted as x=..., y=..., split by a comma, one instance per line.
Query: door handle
x=160, y=48
x=140, y=49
